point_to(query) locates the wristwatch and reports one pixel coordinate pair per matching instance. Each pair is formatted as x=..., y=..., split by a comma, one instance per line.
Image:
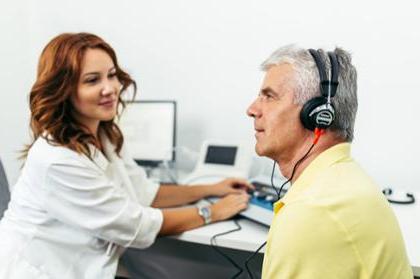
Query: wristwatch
x=205, y=212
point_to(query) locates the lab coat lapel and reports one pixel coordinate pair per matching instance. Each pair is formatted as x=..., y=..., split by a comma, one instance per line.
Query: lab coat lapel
x=98, y=158
x=118, y=164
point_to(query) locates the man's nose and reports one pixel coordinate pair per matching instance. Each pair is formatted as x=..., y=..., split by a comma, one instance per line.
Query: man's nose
x=252, y=109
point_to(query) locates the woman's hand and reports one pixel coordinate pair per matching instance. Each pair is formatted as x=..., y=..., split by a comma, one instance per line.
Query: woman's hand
x=229, y=206
x=230, y=186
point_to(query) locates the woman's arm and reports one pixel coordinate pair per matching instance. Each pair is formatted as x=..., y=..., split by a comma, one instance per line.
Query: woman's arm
x=175, y=195
x=80, y=195
x=179, y=220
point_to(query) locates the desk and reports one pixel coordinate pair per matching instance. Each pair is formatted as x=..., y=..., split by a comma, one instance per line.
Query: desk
x=249, y=238
x=409, y=218
x=253, y=235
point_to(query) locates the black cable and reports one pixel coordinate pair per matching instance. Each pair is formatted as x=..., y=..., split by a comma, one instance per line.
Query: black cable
x=250, y=257
x=213, y=244
x=409, y=197
x=272, y=181
x=294, y=170
x=278, y=198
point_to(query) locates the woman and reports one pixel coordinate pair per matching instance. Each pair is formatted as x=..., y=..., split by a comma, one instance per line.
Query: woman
x=80, y=199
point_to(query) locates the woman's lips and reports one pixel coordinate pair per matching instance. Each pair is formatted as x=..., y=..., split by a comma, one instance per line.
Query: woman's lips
x=109, y=103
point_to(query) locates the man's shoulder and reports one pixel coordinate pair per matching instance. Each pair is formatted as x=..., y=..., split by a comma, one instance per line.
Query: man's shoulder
x=346, y=175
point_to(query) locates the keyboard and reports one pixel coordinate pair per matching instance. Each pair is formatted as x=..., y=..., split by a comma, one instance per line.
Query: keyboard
x=260, y=208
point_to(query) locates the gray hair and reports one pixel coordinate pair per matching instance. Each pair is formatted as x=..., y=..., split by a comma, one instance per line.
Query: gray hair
x=306, y=83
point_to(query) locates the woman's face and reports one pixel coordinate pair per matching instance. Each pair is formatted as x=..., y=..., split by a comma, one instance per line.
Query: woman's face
x=98, y=90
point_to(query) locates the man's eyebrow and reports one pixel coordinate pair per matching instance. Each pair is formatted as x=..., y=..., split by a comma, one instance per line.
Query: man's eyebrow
x=268, y=90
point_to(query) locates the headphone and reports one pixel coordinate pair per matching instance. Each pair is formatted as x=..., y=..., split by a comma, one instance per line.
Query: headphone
x=319, y=112
x=388, y=192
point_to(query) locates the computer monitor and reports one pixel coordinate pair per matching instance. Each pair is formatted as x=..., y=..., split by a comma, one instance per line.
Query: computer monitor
x=149, y=129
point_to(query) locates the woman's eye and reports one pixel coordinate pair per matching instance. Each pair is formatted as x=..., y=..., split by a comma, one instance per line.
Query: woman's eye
x=91, y=80
x=112, y=75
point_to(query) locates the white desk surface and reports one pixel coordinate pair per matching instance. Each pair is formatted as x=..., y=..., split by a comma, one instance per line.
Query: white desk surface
x=249, y=238
x=409, y=218
x=253, y=235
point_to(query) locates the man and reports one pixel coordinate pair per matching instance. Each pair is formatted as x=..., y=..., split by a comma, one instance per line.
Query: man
x=334, y=221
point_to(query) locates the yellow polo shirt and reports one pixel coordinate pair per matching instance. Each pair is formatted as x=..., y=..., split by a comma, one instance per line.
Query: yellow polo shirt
x=334, y=222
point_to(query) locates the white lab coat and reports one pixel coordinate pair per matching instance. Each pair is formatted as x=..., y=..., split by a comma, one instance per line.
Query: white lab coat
x=70, y=217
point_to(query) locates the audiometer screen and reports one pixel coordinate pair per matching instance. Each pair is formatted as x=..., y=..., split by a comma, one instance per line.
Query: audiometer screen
x=224, y=155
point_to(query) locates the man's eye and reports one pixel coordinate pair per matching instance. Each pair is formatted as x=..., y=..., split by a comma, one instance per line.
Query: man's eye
x=265, y=96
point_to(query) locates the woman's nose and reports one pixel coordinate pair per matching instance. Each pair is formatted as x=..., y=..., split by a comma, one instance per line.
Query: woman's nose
x=107, y=89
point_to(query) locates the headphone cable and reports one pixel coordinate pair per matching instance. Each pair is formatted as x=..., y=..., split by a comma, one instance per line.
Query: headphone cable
x=213, y=244
x=248, y=270
x=318, y=133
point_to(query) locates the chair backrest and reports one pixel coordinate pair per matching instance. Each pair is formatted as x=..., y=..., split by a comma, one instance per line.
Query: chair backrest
x=4, y=191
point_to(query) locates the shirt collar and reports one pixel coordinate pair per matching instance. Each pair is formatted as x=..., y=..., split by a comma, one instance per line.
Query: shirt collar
x=332, y=155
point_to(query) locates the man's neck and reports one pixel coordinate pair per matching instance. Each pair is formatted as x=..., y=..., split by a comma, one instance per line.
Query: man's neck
x=286, y=166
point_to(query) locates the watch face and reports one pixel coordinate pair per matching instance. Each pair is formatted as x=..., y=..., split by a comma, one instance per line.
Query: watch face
x=206, y=212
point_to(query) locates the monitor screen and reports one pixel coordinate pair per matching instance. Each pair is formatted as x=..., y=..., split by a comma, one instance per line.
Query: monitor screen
x=224, y=155
x=149, y=129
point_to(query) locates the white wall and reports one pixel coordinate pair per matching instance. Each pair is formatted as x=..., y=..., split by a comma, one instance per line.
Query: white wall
x=206, y=54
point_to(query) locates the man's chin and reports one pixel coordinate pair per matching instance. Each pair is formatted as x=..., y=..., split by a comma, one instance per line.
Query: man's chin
x=259, y=150
x=264, y=152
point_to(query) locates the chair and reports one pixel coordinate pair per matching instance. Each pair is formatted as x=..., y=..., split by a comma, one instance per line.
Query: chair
x=4, y=191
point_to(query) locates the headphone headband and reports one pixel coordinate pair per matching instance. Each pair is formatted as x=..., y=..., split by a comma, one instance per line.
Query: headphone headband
x=334, y=73
x=324, y=82
x=328, y=86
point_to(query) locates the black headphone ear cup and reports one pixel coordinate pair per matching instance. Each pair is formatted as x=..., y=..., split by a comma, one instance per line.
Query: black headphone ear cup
x=307, y=120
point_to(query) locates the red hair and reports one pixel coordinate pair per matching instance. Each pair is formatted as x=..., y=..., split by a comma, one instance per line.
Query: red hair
x=59, y=70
